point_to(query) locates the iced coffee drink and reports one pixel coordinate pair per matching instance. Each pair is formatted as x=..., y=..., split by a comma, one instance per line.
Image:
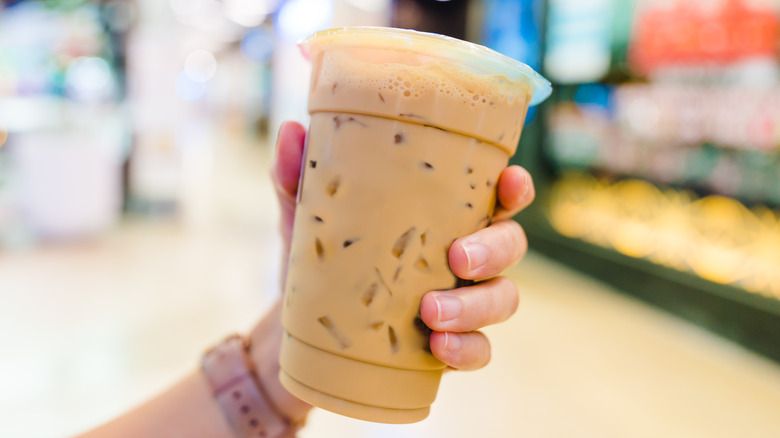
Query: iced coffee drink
x=408, y=135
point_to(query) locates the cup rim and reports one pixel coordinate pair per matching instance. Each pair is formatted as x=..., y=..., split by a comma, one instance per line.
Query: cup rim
x=475, y=56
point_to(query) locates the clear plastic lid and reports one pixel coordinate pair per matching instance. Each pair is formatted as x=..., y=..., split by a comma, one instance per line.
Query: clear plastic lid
x=476, y=58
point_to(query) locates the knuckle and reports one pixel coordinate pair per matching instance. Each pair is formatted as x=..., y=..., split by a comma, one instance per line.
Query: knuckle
x=510, y=298
x=493, y=302
x=488, y=353
x=480, y=353
x=529, y=192
x=489, y=305
x=521, y=244
x=504, y=300
x=511, y=230
x=530, y=196
x=513, y=240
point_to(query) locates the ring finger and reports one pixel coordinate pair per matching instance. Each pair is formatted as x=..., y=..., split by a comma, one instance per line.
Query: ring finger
x=470, y=308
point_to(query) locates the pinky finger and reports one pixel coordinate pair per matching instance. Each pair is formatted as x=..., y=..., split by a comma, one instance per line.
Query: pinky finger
x=462, y=351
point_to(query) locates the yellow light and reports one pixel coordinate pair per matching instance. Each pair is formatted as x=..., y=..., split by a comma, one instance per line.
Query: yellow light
x=721, y=230
x=635, y=233
x=716, y=238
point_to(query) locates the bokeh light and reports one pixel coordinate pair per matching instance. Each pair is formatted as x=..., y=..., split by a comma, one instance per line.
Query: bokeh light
x=188, y=89
x=89, y=78
x=249, y=13
x=187, y=7
x=200, y=66
x=204, y=14
x=298, y=19
x=258, y=44
x=371, y=6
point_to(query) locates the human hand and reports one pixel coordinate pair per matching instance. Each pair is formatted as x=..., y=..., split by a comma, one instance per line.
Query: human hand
x=266, y=336
x=285, y=174
x=453, y=315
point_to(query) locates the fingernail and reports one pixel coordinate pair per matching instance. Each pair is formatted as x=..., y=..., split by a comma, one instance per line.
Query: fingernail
x=448, y=307
x=476, y=254
x=452, y=342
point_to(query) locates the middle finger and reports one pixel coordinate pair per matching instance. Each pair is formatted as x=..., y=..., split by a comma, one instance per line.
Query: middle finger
x=489, y=251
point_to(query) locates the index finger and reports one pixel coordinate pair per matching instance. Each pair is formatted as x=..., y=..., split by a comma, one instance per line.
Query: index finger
x=515, y=192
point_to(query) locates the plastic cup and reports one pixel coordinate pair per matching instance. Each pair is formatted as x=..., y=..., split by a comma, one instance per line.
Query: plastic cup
x=409, y=132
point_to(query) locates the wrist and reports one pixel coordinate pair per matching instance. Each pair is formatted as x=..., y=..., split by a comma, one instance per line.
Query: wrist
x=265, y=342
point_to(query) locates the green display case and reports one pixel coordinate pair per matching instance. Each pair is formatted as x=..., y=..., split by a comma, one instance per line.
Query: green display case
x=658, y=172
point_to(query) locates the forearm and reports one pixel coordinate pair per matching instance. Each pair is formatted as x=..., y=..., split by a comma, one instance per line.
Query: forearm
x=187, y=409
x=266, y=339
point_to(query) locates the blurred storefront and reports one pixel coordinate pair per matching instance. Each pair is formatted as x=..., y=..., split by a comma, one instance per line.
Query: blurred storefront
x=61, y=94
x=658, y=156
x=118, y=106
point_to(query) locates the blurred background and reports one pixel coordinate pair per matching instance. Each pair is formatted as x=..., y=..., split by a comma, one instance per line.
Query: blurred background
x=138, y=223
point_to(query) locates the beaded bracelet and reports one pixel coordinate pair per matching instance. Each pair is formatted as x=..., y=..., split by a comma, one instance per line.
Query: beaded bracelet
x=239, y=394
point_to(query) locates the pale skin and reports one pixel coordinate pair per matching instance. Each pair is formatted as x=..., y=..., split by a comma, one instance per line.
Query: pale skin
x=187, y=409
